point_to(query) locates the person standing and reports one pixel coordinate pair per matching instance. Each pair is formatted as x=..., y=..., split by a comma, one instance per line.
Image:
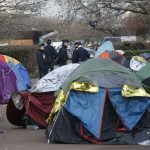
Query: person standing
x=62, y=54
x=50, y=55
x=79, y=54
x=41, y=61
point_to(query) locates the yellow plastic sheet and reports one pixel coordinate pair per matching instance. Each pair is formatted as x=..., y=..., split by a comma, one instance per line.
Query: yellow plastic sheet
x=130, y=91
x=140, y=59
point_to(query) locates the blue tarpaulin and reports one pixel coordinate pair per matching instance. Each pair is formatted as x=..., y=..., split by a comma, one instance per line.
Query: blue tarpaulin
x=130, y=110
x=88, y=108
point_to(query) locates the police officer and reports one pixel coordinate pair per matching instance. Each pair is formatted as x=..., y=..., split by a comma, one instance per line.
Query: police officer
x=79, y=54
x=50, y=55
x=41, y=61
x=62, y=54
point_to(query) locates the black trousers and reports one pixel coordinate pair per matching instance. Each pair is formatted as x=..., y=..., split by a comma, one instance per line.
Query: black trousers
x=42, y=72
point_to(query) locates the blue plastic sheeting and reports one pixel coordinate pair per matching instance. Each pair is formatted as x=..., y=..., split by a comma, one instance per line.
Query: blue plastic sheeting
x=106, y=46
x=129, y=110
x=88, y=108
x=25, y=75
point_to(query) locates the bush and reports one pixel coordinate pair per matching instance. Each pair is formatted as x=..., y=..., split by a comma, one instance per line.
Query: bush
x=147, y=45
x=140, y=46
x=130, y=53
x=130, y=46
x=26, y=55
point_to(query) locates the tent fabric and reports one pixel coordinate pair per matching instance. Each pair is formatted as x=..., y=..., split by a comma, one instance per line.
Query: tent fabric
x=137, y=63
x=90, y=72
x=88, y=108
x=61, y=98
x=91, y=69
x=14, y=115
x=54, y=79
x=65, y=124
x=140, y=137
x=24, y=73
x=115, y=56
x=38, y=105
x=11, y=60
x=130, y=110
x=70, y=125
x=111, y=80
x=7, y=82
x=120, y=51
x=146, y=56
x=146, y=85
x=106, y=46
x=92, y=110
x=23, y=79
x=144, y=73
x=19, y=80
x=145, y=120
x=105, y=55
x=144, y=76
x=132, y=91
x=2, y=58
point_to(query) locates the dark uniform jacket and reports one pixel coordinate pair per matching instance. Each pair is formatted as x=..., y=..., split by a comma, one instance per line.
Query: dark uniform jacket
x=62, y=56
x=80, y=54
x=40, y=59
x=41, y=63
x=50, y=56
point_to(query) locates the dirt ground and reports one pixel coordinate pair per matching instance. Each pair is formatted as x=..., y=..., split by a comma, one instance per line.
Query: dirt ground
x=15, y=138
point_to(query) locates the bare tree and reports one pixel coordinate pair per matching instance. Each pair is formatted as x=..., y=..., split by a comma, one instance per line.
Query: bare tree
x=107, y=13
x=137, y=24
x=99, y=6
x=13, y=11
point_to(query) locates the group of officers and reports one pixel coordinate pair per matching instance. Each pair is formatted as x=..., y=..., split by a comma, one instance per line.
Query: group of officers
x=47, y=56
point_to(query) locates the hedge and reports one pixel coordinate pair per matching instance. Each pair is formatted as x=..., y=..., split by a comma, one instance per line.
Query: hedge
x=26, y=55
x=130, y=53
x=132, y=46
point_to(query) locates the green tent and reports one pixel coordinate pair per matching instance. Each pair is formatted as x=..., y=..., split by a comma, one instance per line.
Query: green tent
x=111, y=74
x=144, y=73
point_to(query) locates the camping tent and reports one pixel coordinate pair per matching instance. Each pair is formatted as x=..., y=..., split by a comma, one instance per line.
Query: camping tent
x=21, y=81
x=90, y=106
x=98, y=117
x=137, y=63
x=38, y=102
x=54, y=79
x=115, y=56
x=106, y=46
x=7, y=82
x=144, y=75
x=146, y=56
